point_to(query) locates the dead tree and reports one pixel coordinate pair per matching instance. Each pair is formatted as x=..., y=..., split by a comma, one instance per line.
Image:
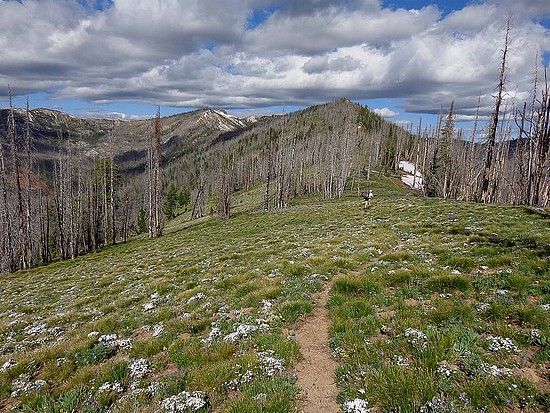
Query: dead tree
x=541, y=146
x=155, y=180
x=225, y=184
x=16, y=165
x=487, y=187
x=28, y=169
x=7, y=239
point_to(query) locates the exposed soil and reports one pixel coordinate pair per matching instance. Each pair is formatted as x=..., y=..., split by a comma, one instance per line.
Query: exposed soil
x=316, y=371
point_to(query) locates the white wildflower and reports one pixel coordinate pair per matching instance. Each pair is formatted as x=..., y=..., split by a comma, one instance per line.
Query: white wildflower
x=242, y=332
x=115, y=343
x=271, y=366
x=502, y=344
x=483, y=307
x=22, y=386
x=534, y=334
x=107, y=338
x=338, y=353
x=56, y=331
x=122, y=344
x=400, y=360
x=214, y=335
x=155, y=388
x=139, y=368
x=416, y=337
x=496, y=371
x=184, y=402
x=158, y=330
x=36, y=329
x=196, y=297
x=7, y=365
x=444, y=370
x=438, y=405
x=247, y=377
x=266, y=305
x=115, y=387
x=356, y=406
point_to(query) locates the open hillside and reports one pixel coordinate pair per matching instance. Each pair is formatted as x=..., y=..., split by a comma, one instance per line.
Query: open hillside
x=85, y=183
x=432, y=305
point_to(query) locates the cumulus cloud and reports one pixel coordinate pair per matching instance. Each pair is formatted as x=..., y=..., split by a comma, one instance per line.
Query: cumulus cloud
x=260, y=53
x=386, y=113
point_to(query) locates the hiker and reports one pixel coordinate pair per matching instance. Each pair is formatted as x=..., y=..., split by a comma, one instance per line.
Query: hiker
x=367, y=198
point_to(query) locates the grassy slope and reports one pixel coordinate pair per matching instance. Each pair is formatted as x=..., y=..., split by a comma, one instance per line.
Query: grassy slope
x=454, y=273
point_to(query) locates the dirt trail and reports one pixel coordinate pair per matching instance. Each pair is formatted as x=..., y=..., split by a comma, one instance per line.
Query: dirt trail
x=317, y=370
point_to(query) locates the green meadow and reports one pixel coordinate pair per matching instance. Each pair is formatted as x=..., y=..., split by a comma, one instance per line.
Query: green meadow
x=435, y=306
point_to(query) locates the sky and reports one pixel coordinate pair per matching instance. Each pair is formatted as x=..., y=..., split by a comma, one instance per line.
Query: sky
x=405, y=59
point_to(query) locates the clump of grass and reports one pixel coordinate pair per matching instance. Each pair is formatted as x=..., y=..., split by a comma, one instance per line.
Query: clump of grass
x=394, y=387
x=263, y=395
x=354, y=285
x=93, y=355
x=190, y=353
x=293, y=310
x=399, y=256
x=454, y=313
x=445, y=283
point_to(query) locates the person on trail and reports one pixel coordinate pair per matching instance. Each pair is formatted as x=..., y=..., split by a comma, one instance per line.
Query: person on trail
x=367, y=197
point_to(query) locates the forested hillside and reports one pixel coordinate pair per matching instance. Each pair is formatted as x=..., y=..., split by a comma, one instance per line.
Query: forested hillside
x=86, y=183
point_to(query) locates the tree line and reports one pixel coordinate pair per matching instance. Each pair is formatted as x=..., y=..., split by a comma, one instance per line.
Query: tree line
x=511, y=163
x=73, y=204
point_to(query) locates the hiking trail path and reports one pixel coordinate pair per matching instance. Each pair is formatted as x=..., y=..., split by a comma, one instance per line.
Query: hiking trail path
x=316, y=371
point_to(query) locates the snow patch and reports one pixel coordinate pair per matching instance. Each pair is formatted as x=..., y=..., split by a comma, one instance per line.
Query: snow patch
x=220, y=120
x=413, y=178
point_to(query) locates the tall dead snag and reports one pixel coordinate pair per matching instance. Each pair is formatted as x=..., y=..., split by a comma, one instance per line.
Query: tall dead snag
x=225, y=183
x=155, y=181
x=487, y=187
x=199, y=195
x=44, y=224
x=59, y=201
x=268, y=174
x=16, y=164
x=471, y=173
x=28, y=168
x=541, y=147
x=112, y=189
x=8, y=253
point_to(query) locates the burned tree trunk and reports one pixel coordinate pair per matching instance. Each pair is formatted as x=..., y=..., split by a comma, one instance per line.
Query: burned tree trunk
x=487, y=189
x=155, y=181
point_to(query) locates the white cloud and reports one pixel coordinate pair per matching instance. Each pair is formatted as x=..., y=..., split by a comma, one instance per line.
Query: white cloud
x=386, y=113
x=191, y=53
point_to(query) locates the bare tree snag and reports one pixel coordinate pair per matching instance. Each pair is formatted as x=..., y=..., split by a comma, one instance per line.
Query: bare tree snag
x=486, y=191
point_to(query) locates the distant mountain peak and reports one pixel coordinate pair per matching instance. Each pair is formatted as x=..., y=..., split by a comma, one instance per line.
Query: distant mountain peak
x=220, y=120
